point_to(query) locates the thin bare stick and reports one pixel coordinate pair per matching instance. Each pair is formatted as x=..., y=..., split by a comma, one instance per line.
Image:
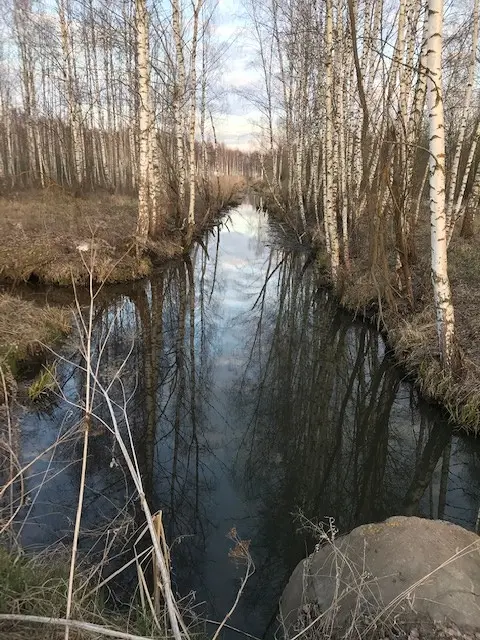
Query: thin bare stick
x=173, y=614
x=20, y=473
x=81, y=491
x=113, y=575
x=229, y=626
x=249, y=571
x=10, y=439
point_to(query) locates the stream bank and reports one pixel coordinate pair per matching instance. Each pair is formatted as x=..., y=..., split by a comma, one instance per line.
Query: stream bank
x=410, y=330
x=54, y=237
x=412, y=336
x=374, y=293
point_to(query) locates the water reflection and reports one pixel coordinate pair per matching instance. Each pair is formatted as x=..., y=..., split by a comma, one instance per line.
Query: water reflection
x=249, y=397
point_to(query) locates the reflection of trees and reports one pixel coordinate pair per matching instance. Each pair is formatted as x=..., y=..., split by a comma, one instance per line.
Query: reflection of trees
x=328, y=431
x=321, y=417
x=170, y=397
x=322, y=392
x=156, y=325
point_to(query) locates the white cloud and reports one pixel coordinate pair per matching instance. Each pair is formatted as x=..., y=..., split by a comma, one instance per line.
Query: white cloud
x=238, y=125
x=237, y=131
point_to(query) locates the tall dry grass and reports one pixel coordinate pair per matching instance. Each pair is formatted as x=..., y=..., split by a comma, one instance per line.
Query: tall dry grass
x=25, y=329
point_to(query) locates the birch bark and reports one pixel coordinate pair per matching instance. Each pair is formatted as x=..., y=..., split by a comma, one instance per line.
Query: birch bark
x=179, y=96
x=445, y=320
x=144, y=119
x=71, y=91
x=193, y=117
x=330, y=213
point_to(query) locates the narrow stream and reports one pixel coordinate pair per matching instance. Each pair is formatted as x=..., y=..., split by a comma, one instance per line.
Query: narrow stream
x=250, y=398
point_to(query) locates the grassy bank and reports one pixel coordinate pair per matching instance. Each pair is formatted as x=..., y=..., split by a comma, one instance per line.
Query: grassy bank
x=37, y=587
x=49, y=236
x=41, y=231
x=25, y=329
x=45, y=234
x=411, y=332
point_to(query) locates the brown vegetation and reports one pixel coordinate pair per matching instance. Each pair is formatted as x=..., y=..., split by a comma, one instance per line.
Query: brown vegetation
x=26, y=328
x=47, y=235
x=51, y=237
x=37, y=586
x=374, y=294
x=42, y=231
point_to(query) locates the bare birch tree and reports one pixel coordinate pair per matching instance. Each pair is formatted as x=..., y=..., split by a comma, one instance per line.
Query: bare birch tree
x=441, y=285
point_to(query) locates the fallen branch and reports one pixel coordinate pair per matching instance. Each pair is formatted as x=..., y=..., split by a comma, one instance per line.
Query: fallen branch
x=72, y=624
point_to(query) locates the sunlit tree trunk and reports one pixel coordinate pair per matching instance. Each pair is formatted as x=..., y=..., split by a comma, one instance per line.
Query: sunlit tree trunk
x=144, y=119
x=341, y=133
x=178, y=98
x=451, y=210
x=98, y=100
x=72, y=95
x=441, y=285
x=193, y=117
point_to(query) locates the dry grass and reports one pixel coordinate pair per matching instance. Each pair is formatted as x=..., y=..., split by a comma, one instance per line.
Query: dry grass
x=25, y=328
x=49, y=236
x=412, y=333
x=40, y=232
x=33, y=585
x=37, y=586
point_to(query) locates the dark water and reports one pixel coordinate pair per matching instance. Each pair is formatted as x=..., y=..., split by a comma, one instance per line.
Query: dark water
x=250, y=398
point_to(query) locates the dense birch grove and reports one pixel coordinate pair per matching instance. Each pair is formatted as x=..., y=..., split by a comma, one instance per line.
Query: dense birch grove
x=117, y=96
x=371, y=124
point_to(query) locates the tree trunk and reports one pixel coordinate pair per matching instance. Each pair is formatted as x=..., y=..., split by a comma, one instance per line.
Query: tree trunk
x=178, y=98
x=330, y=209
x=144, y=120
x=441, y=286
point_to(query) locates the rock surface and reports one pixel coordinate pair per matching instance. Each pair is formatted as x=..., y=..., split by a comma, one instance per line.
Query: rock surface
x=389, y=571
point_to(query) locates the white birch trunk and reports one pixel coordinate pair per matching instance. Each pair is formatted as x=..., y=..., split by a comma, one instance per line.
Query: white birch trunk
x=71, y=90
x=179, y=96
x=330, y=211
x=193, y=116
x=445, y=321
x=144, y=119
x=454, y=174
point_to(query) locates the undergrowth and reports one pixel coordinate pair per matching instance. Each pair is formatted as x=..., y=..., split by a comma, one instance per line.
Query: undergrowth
x=25, y=329
x=37, y=586
x=43, y=234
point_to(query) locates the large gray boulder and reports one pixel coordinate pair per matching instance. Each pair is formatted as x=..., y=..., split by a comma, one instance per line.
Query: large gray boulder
x=405, y=567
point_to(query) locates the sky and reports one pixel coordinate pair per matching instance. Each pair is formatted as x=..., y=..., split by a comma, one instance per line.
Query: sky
x=237, y=120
